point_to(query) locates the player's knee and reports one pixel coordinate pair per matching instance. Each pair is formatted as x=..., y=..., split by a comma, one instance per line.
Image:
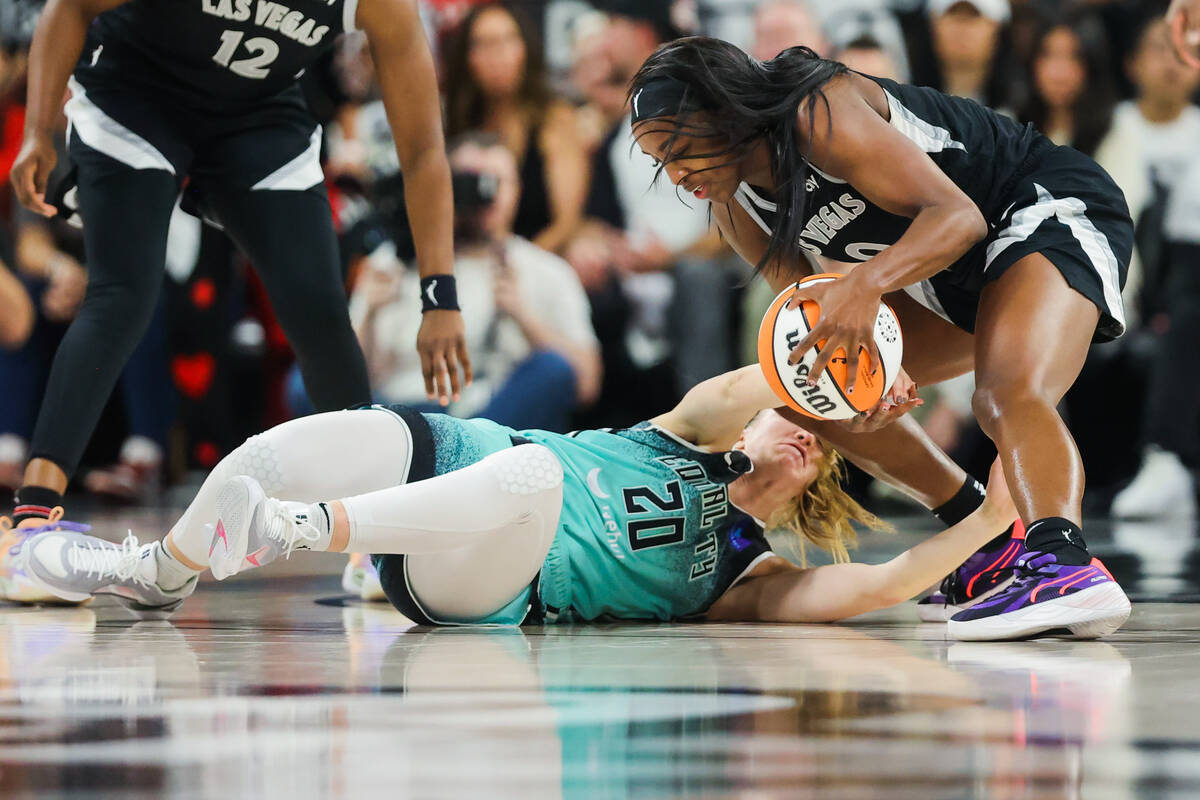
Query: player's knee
x=528, y=469
x=993, y=402
x=258, y=457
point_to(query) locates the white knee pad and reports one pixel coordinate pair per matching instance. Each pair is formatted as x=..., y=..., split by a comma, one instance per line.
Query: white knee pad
x=527, y=469
x=258, y=458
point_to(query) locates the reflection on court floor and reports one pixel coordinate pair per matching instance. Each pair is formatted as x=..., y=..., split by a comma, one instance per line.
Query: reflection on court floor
x=279, y=687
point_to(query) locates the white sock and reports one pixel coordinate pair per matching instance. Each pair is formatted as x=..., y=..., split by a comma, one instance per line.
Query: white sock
x=319, y=517
x=172, y=573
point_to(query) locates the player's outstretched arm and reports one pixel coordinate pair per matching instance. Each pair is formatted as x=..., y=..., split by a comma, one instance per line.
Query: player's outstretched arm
x=837, y=591
x=712, y=414
x=57, y=42
x=406, y=75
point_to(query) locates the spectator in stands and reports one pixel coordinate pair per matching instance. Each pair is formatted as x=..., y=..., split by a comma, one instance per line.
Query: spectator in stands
x=529, y=329
x=16, y=324
x=16, y=309
x=645, y=258
x=780, y=24
x=1162, y=116
x=1073, y=99
x=1167, y=126
x=967, y=38
x=1165, y=484
x=866, y=55
x=495, y=81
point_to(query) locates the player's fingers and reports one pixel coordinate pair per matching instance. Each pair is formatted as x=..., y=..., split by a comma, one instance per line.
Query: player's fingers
x=821, y=362
x=451, y=357
x=806, y=344
x=464, y=359
x=873, y=355
x=852, y=359
x=442, y=378
x=798, y=295
x=427, y=372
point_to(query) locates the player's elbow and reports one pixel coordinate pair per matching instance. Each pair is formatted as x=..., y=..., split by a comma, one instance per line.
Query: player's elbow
x=969, y=223
x=880, y=590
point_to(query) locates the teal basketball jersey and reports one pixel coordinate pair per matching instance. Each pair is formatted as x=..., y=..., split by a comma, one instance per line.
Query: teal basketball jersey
x=646, y=531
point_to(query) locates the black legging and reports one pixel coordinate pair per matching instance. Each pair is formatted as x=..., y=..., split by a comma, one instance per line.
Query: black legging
x=287, y=234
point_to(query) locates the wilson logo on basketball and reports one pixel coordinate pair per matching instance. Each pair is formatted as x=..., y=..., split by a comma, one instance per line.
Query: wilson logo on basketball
x=816, y=400
x=780, y=334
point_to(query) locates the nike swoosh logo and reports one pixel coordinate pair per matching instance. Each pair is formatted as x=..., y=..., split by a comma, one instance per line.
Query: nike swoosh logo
x=429, y=291
x=220, y=535
x=253, y=557
x=593, y=483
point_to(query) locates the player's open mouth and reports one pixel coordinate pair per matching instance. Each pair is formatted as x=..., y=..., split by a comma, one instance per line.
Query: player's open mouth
x=701, y=192
x=798, y=449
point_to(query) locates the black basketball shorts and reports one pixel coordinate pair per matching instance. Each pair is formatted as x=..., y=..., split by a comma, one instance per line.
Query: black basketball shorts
x=1068, y=209
x=272, y=145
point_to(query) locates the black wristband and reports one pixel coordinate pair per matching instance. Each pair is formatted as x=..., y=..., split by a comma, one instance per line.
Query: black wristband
x=438, y=293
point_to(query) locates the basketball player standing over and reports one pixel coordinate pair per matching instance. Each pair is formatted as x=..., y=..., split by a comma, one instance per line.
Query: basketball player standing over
x=207, y=89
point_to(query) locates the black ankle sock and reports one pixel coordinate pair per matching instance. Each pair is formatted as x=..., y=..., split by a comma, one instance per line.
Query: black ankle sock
x=1059, y=536
x=34, y=501
x=966, y=500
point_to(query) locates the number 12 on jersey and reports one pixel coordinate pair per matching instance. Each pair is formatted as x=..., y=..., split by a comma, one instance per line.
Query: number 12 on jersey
x=262, y=53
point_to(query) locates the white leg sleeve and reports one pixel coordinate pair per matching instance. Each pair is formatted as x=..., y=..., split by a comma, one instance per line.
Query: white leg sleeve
x=308, y=459
x=475, y=537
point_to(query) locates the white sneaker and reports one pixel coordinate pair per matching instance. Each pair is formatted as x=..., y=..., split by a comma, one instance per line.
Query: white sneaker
x=253, y=530
x=361, y=579
x=77, y=566
x=1163, y=487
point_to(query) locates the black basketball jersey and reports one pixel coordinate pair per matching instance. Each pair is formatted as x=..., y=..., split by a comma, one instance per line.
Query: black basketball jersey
x=981, y=151
x=210, y=53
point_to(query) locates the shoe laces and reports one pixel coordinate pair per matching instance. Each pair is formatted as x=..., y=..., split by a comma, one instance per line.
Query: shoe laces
x=1031, y=568
x=284, y=528
x=107, y=560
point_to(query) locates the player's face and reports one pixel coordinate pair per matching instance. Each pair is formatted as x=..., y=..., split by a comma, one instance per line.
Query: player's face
x=689, y=161
x=786, y=457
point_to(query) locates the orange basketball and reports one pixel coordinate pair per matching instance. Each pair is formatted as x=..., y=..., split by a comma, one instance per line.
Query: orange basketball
x=783, y=328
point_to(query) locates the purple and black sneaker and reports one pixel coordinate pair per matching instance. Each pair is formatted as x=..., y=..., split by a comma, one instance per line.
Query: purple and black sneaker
x=1046, y=597
x=17, y=583
x=982, y=575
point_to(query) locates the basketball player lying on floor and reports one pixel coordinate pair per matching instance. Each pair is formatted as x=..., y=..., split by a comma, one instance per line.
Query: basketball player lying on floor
x=474, y=522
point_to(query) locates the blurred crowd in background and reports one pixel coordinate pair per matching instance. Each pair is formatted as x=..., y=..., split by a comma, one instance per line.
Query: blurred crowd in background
x=594, y=296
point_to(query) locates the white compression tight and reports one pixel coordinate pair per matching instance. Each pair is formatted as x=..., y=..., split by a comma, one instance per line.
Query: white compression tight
x=474, y=537
x=477, y=535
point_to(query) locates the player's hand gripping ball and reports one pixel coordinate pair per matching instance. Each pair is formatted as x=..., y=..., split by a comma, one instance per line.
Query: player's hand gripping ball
x=783, y=328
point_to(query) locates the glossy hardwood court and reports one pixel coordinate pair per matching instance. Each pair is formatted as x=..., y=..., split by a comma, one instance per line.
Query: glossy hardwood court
x=276, y=685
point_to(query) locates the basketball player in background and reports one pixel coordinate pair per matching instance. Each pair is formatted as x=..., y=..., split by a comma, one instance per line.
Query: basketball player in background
x=1184, y=18
x=207, y=90
x=1000, y=252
